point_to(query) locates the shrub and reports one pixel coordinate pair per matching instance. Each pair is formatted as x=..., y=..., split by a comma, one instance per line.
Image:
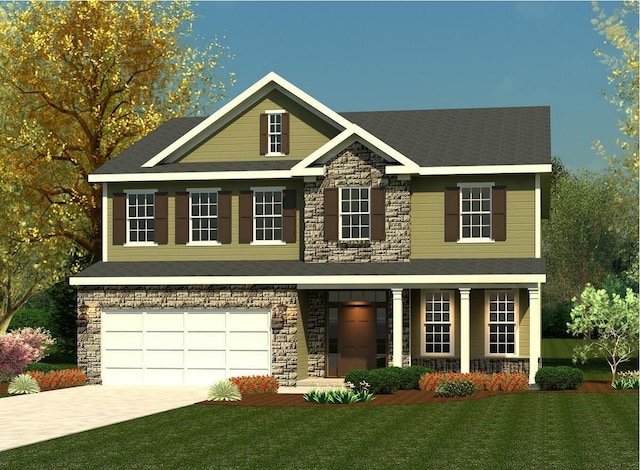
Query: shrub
x=627, y=380
x=559, y=378
x=256, y=384
x=410, y=376
x=505, y=382
x=384, y=381
x=338, y=397
x=44, y=367
x=356, y=377
x=57, y=379
x=456, y=388
x=23, y=384
x=224, y=390
x=20, y=348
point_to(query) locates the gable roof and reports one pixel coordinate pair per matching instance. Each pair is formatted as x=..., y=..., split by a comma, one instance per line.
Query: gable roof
x=426, y=142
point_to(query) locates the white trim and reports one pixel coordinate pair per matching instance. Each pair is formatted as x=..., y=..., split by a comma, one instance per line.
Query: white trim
x=423, y=322
x=481, y=170
x=465, y=329
x=535, y=331
x=397, y=313
x=538, y=218
x=191, y=176
x=252, y=94
x=105, y=222
x=328, y=282
x=516, y=318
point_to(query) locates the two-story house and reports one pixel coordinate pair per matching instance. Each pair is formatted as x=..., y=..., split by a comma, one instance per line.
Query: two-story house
x=278, y=236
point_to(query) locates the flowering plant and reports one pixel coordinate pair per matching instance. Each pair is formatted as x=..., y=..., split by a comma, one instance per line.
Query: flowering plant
x=256, y=384
x=56, y=379
x=506, y=382
x=20, y=348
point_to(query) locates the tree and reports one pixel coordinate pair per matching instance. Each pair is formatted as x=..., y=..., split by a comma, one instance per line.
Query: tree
x=623, y=67
x=612, y=323
x=590, y=234
x=85, y=80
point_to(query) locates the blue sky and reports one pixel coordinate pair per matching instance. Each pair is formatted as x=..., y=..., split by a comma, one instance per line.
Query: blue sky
x=362, y=56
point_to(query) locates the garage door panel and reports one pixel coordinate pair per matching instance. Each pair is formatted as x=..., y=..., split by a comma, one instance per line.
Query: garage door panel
x=205, y=340
x=121, y=321
x=123, y=340
x=248, y=321
x=173, y=347
x=124, y=376
x=254, y=340
x=164, y=340
x=248, y=359
x=126, y=358
x=160, y=359
x=164, y=376
x=202, y=321
x=205, y=359
x=164, y=321
x=204, y=377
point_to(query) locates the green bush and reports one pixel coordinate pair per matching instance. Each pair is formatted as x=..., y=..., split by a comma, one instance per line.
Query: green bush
x=44, y=367
x=458, y=388
x=33, y=318
x=559, y=378
x=337, y=397
x=384, y=381
x=627, y=381
x=410, y=376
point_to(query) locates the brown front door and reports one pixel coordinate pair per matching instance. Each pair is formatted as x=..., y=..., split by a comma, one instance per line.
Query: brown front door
x=356, y=338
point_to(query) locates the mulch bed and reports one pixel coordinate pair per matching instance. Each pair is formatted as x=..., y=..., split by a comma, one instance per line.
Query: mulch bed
x=403, y=397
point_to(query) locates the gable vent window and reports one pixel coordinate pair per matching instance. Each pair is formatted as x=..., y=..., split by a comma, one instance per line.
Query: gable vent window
x=274, y=133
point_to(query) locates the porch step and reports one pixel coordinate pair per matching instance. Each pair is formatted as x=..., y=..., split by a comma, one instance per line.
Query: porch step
x=320, y=383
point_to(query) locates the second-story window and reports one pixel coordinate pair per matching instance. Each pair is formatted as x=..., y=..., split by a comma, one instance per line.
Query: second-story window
x=274, y=133
x=355, y=213
x=140, y=217
x=475, y=212
x=267, y=214
x=204, y=215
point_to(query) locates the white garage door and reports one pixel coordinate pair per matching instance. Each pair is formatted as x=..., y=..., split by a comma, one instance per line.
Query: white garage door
x=174, y=347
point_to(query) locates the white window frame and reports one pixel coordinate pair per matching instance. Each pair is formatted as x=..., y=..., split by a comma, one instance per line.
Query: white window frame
x=272, y=189
x=471, y=239
x=192, y=191
x=423, y=324
x=270, y=135
x=341, y=213
x=139, y=192
x=516, y=322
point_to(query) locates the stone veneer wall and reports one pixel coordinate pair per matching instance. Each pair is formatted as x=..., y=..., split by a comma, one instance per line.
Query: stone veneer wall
x=358, y=166
x=282, y=300
x=488, y=365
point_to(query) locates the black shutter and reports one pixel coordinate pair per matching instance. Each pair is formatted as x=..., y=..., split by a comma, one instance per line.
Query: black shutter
x=451, y=214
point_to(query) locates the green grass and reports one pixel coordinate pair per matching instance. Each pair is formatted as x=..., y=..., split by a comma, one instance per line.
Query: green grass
x=558, y=352
x=520, y=431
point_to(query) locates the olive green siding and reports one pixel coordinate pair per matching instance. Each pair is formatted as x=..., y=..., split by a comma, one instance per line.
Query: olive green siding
x=232, y=251
x=239, y=140
x=477, y=324
x=427, y=219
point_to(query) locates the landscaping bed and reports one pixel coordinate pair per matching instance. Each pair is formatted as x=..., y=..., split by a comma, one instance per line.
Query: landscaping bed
x=403, y=397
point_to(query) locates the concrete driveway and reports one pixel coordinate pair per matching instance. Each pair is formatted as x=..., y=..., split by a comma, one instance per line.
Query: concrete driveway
x=27, y=419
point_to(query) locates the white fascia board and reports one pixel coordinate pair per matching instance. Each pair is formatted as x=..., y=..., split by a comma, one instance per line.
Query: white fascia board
x=236, y=105
x=484, y=170
x=190, y=176
x=378, y=281
x=346, y=138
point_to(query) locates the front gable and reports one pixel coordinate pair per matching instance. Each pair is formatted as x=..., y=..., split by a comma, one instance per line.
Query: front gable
x=239, y=140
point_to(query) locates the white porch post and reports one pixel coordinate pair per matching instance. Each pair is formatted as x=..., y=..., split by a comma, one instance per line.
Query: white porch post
x=535, y=332
x=397, y=327
x=465, y=357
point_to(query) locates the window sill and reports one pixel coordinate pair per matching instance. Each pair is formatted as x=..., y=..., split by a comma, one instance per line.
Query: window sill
x=139, y=244
x=204, y=244
x=268, y=243
x=476, y=241
x=275, y=154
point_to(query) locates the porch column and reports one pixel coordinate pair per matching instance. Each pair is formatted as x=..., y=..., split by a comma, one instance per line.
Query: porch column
x=465, y=357
x=535, y=332
x=397, y=327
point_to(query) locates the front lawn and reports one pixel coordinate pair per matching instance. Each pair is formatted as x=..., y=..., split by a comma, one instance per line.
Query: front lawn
x=519, y=431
